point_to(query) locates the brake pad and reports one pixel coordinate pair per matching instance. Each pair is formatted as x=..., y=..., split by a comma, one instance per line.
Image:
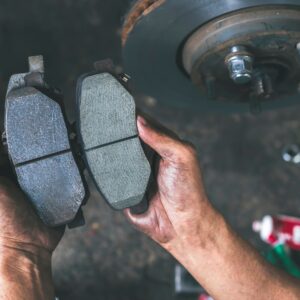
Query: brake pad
x=39, y=149
x=108, y=132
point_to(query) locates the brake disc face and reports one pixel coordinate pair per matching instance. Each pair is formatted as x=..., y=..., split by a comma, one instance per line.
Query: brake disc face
x=180, y=52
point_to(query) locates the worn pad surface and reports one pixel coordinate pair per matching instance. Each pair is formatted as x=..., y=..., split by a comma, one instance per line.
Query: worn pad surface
x=39, y=148
x=113, y=151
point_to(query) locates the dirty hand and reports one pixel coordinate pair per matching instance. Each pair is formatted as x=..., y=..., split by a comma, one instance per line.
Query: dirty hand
x=179, y=215
x=181, y=219
x=26, y=247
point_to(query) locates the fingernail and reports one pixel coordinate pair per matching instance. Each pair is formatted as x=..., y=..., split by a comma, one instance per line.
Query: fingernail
x=141, y=121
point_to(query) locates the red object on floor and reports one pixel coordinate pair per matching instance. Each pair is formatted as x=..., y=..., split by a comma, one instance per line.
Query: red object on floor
x=279, y=229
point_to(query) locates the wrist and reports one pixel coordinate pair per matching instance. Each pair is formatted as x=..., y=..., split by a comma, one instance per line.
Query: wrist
x=205, y=238
x=25, y=272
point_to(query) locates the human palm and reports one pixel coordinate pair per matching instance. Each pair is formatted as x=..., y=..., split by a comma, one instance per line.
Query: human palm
x=20, y=227
x=176, y=207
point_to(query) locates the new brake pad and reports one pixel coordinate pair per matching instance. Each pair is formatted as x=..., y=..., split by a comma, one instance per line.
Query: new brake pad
x=108, y=132
x=39, y=149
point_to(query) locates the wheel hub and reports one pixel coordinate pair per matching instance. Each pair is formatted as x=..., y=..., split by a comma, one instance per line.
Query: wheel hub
x=265, y=68
x=218, y=55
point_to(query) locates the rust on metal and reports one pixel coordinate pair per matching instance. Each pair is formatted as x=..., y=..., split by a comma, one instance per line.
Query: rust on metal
x=270, y=36
x=140, y=8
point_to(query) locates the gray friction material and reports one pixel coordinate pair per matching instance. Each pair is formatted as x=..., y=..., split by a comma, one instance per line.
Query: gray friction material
x=38, y=145
x=121, y=171
x=54, y=187
x=112, y=148
x=16, y=81
x=107, y=111
x=35, y=126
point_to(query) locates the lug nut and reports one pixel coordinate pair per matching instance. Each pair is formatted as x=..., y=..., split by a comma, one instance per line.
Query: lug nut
x=240, y=65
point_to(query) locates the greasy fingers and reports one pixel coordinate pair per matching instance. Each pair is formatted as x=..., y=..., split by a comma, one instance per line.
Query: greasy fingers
x=169, y=148
x=154, y=222
x=180, y=204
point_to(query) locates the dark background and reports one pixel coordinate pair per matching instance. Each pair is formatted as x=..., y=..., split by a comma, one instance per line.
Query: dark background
x=240, y=154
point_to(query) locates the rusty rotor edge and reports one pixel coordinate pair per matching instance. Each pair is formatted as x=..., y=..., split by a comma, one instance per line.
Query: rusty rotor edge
x=140, y=8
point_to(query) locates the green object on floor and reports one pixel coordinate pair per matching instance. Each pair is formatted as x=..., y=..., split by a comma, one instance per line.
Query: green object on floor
x=280, y=257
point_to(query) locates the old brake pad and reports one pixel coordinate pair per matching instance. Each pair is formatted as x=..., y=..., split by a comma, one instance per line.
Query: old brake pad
x=39, y=149
x=112, y=149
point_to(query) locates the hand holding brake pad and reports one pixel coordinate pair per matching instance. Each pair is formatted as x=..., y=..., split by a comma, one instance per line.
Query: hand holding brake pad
x=112, y=149
x=39, y=149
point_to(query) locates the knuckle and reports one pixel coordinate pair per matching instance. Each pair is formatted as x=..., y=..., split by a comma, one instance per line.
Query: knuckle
x=189, y=150
x=186, y=152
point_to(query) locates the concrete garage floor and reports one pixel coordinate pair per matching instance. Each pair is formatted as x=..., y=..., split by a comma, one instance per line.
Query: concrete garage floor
x=240, y=154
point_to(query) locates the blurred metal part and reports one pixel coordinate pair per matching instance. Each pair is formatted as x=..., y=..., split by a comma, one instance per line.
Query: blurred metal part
x=263, y=85
x=125, y=77
x=291, y=154
x=39, y=149
x=36, y=64
x=298, y=47
x=153, y=50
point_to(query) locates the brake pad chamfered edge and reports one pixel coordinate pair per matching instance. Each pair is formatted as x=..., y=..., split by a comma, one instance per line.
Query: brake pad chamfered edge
x=39, y=149
x=112, y=149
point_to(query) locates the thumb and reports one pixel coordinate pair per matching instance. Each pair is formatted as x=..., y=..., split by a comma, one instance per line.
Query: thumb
x=166, y=146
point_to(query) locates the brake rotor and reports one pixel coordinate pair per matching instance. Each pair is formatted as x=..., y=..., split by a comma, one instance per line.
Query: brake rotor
x=181, y=52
